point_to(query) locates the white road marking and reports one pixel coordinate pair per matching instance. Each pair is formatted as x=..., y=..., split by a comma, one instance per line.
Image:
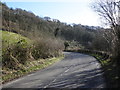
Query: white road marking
x=67, y=70
x=57, y=77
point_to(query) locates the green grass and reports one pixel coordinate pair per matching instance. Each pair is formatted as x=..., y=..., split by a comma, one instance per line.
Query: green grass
x=13, y=39
x=9, y=38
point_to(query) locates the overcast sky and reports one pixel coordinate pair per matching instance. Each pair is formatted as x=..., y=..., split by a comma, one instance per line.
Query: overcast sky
x=69, y=11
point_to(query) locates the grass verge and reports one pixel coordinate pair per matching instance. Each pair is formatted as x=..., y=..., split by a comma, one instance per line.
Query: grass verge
x=30, y=66
x=111, y=71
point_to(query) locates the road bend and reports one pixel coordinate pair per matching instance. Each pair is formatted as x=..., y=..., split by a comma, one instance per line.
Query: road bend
x=74, y=71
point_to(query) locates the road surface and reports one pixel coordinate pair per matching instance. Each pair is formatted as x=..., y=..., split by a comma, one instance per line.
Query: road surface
x=74, y=71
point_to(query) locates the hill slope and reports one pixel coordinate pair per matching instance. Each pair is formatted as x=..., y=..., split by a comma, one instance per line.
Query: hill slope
x=20, y=55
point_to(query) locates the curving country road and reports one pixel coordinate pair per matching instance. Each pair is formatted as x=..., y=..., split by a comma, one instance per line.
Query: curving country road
x=74, y=71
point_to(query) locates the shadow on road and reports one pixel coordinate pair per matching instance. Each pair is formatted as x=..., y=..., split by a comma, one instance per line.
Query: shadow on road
x=85, y=79
x=75, y=71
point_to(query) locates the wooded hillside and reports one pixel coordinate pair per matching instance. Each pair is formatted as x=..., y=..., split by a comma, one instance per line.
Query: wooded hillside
x=29, y=25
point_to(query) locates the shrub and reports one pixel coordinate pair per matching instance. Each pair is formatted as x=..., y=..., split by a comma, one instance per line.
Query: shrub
x=15, y=54
x=46, y=47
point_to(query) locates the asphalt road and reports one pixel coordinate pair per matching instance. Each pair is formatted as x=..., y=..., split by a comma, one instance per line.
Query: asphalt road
x=74, y=71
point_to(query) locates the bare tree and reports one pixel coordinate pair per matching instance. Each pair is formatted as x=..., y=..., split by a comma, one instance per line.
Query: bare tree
x=110, y=11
